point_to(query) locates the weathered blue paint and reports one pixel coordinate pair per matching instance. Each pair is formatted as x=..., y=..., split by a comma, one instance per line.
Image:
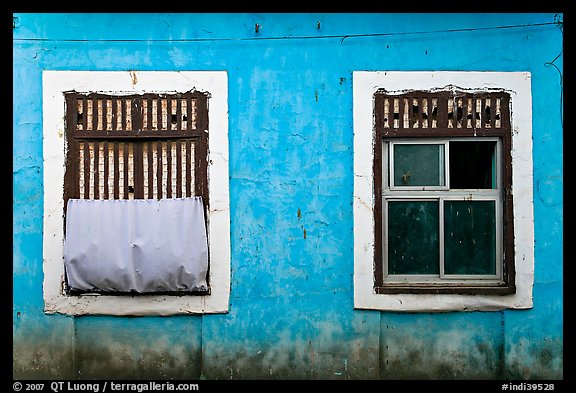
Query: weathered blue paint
x=291, y=180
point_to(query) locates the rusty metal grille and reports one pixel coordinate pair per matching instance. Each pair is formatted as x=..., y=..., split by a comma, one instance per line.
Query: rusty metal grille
x=443, y=110
x=148, y=146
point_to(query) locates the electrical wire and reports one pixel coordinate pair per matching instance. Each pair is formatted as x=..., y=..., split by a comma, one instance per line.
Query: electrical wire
x=560, y=25
x=341, y=36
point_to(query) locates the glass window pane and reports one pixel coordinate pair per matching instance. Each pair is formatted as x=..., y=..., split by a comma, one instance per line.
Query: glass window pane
x=413, y=246
x=473, y=164
x=470, y=237
x=418, y=164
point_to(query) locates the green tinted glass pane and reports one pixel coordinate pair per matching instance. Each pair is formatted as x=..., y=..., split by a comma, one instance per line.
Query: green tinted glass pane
x=470, y=237
x=413, y=237
x=418, y=165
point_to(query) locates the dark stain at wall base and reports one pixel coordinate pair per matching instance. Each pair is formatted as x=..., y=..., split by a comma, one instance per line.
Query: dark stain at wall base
x=98, y=362
x=134, y=363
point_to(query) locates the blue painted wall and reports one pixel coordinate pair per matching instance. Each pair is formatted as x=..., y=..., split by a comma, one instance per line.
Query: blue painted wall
x=290, y=134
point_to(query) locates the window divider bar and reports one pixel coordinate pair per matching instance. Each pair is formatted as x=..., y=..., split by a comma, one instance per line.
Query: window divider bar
x=137, y=114
x=114, y=110
x=441, y=235
x=483, y=113
x=116, y=171
x=178, y=167
x=199, y=167
x=159, y=169
x=493, y=112
x=420, y=105
x=188, y=167
x=168, y=113
x=74, y=155
x=159, y=113
x=71, y=178
x=384, y=242
x=189, y=113
x=125, y=168
x=169, y=169
x=145, y=134
x=148, y=114
x=178, y=114
x=86, y=170
x=104, y=114
x=84, y=115
x=391, y=112
x=138, y=171
x=443, y=112
x=94, y=113
x=150, y=168
x=106, y=169
x=446, y=163
x=123, y=113
x=474, y=105
x=401, y=112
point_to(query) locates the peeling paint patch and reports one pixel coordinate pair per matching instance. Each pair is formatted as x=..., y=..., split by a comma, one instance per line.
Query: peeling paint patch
x=133, y=77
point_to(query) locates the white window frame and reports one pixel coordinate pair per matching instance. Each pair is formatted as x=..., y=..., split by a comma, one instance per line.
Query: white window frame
x=54, y=84
x=518, y=85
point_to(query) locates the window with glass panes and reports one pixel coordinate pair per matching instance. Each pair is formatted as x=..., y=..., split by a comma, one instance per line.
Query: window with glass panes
x=443, y=207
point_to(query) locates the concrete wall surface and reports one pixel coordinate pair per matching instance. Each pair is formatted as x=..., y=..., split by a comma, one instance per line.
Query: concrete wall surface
x=291, y=309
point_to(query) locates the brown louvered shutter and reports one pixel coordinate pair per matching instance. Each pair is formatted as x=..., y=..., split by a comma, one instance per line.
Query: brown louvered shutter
x=148, y=146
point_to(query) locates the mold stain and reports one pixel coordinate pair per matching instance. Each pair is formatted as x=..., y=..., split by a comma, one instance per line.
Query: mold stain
x=545, y=357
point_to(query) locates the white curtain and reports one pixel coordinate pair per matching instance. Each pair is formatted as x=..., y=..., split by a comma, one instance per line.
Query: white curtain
x=139, y=245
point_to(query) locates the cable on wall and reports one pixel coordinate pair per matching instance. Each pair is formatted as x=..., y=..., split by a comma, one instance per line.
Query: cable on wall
x=341, y=36
x=560, y=25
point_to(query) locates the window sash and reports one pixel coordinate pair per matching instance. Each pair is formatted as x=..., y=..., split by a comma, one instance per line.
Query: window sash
x=388, y=185
x=442, y=162
x=390, y=192
x=442, y=277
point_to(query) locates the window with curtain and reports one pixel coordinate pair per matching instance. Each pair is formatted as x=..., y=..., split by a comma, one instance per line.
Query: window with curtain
x=136, y=193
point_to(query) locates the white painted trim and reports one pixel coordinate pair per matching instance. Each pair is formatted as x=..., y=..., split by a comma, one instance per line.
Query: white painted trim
x=518, y=85
x=55, y=83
